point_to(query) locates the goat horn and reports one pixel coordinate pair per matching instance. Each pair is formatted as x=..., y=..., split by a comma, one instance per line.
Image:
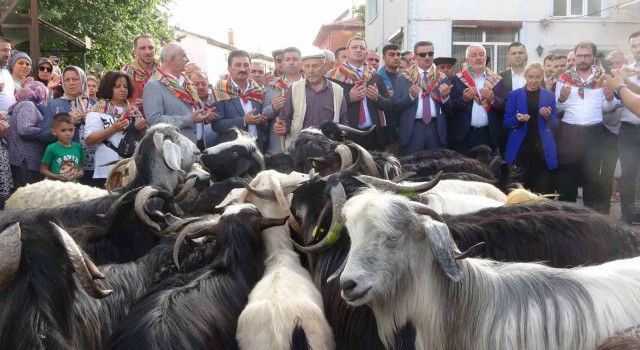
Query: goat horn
x=200, y=227
x=112, y=182
x=338, y=271
x=369, y=163
x=257, y=155
x=114, y=207
x=284, y=204
x=143, y=196
x=338, y=198
x=356, y=166
x=316, y=228
x=177, y=225
x=262, y=194
x=405, y=190
x=346, y=159
x=95, y=273
x=469, y=252
x=312, y=174
x=423, y=209
x=78, y=261
x=186, y=188
x=10, y=253
x=404, y=176
x=266, y=223
x=356, y=131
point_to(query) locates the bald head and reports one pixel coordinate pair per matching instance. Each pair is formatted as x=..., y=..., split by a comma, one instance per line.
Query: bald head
x=169, y=51
x=173, y=59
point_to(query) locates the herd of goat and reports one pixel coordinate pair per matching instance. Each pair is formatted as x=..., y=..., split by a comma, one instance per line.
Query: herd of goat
x=327, y=246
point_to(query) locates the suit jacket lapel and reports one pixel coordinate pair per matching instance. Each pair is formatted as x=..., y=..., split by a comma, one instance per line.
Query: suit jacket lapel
x=236, y=103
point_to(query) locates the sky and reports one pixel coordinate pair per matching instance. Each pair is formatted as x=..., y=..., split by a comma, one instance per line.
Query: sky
x=259, y=25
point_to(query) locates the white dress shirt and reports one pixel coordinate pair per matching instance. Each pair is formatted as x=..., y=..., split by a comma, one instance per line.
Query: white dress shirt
x=587, y=111
x=479, y=117
x=246, y=107
x=627, y=116
x=517, y=80
x=420, y=100
x=367, y=122
x=7, y=97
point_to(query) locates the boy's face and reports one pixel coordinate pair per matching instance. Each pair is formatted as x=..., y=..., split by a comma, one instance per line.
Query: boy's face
x=64, y=132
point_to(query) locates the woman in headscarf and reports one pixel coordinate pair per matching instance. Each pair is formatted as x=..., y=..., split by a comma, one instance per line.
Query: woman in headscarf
x=20, y=67
x=43, y=72
x=5, y=171
x=25, y=117
x=77, y=103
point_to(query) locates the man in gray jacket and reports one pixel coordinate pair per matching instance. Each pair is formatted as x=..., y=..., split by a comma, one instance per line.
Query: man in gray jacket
x=169, y=97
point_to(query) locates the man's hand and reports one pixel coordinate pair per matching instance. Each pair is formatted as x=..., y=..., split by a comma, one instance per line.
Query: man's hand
x=390, y=92
x=522, y=117
x=487, y=94
x=372, y=92
x=279, y=127
x=614, y=80
x=250, y=119
x=445, y=90
x=414, y=90
x=545, y=112
x=564, y=93
x=469, y=94
x=608, y=94
x=357, y=93
x=277, y=103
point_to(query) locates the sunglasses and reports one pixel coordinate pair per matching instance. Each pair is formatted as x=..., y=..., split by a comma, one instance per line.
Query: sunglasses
x=424, y=54
x=45, y=69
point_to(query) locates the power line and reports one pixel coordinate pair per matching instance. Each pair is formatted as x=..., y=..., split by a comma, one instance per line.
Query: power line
x=594, y=12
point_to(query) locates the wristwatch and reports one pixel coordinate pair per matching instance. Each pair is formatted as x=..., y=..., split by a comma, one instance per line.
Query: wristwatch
x=616, y=91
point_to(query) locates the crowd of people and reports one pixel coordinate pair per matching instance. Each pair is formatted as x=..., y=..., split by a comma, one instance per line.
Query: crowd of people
x=563, y=123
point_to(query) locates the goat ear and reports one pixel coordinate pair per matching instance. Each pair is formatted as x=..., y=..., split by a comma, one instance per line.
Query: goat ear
x=10, y=252
x=442, y=247
x=158, y=139
x=172, y=156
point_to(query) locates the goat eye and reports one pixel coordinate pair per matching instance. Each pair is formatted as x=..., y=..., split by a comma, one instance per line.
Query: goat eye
x=393, y=238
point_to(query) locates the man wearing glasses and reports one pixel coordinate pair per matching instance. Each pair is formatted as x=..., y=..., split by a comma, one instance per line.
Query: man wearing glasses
x=478, y=104
x=583, y=99
x=6, y=81
x=422, y=97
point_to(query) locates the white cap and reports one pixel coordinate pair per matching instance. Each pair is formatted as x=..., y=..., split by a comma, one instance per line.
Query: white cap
x=313, y=54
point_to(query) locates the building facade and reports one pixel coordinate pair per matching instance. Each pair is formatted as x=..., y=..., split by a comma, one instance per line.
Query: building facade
x=554, y=26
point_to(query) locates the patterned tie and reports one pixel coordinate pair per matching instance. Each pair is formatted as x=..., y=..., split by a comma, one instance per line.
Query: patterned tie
x=362, y=117
x=426, y=104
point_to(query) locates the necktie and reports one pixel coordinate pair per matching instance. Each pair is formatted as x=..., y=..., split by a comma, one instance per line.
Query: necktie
x=426, y=104
x=362, y=118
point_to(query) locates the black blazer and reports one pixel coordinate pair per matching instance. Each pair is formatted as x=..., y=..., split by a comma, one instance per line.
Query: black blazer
x=384, y=103
x=506, y=77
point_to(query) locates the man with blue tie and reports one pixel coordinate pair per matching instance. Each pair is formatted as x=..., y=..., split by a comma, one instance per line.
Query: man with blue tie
x=366, y=95
x=422, y=99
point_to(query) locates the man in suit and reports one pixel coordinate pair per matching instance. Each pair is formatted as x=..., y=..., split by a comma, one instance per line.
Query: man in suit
x=421, y=96
x=366, y=95
x=169, y=97
x=513, y=78
x=239, y=100
x=478, y=104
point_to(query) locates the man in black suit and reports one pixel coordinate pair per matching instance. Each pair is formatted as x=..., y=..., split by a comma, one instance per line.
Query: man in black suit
x=366, y=95
x=513, y=78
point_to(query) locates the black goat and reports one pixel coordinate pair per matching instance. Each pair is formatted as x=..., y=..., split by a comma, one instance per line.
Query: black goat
x=559, y=234
x=237, y=155
x=204, y=200
x=199, y=310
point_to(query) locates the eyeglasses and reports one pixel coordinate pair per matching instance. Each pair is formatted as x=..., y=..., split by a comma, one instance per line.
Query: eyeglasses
x=424, y=54
x=583, y=57
x=45, y=69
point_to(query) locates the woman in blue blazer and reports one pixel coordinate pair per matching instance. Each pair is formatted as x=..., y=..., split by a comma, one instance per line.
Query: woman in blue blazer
x=530, y=116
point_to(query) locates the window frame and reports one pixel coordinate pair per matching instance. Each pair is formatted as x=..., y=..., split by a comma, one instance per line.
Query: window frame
x=585, y=10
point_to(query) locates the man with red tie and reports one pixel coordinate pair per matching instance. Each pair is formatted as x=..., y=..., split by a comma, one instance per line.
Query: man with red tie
x=366, y=95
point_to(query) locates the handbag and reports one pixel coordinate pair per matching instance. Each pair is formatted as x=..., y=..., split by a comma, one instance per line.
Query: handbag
x=130, y=139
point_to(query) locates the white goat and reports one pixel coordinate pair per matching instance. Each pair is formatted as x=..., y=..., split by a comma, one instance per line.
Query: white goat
x=286, y=296
x=452, y=203
x=49, y=193
x=471, y=188
x=406, y=267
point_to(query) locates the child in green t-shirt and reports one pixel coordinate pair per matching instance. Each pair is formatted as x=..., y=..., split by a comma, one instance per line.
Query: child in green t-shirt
x=63, y=159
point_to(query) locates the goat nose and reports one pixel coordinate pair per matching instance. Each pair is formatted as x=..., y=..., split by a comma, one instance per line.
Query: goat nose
x=347, y=285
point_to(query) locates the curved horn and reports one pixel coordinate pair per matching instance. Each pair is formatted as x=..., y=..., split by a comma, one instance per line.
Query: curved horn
x=266, y=223
x=338, y=198
x=257, y=155
x=114, y=183
x=186, y=188
x=143, y=196
x=338, y=271
x=284, y=204
x=356, y=166
x=114, y=207
x=323, y=212
x=369, y=163
x=193, y=230
x=404, y=176
x=356, y=131
x=10, y=253
x=78, y=261
x=177, y=225
x=346, y=159
x=411, y=189
x=423, y=209
x=262, y=194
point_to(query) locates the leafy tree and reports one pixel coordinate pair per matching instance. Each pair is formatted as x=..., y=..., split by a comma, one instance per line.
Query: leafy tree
x=359, y=11
x=110, y=24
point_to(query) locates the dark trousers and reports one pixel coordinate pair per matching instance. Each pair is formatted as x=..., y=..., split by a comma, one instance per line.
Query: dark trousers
x=424, y=137
x=22, y=176
x=372, y=142
x=580, y=157
x=608, y=167
x=475, y=137
x=88, y=180
x=536, y=176
x=629, y=154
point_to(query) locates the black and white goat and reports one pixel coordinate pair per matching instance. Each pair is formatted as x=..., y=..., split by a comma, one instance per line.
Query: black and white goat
x=236, y=155
x=406, y=267
x=199, y=310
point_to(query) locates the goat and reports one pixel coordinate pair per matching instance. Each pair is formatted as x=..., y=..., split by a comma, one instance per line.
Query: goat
x=199, y=310
x=237, y=156
x=285, y=296
x=57, y=193
x=406, y=267
x=628, y=339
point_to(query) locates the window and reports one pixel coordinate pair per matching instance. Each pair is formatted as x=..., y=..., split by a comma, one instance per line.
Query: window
x=568, y=8
x=371, y=11
x=494, y=41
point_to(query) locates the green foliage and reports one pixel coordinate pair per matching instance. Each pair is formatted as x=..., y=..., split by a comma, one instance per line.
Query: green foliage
x=359, y=12
x=110, y=24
